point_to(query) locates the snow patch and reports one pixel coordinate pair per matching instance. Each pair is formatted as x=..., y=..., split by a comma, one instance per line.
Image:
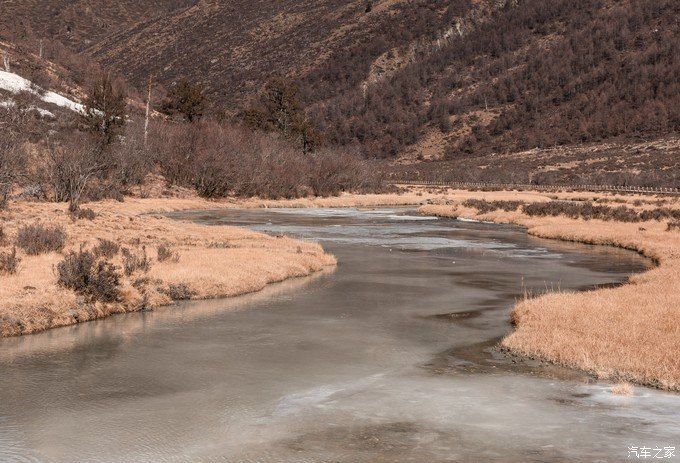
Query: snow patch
x=15, y=83
x=41, y=111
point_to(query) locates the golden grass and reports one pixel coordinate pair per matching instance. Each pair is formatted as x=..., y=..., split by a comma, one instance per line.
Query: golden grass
x=215, y=261
x=623, y=389
x=631, y=332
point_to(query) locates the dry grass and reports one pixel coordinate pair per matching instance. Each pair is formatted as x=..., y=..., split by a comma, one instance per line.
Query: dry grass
x=623, y=389
x=626, y=333
x=31, y=300
x=630, y=333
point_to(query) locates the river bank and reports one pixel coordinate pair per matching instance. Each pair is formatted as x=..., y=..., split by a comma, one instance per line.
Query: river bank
x=173, y=260
x=627, y=333
x=360, y=363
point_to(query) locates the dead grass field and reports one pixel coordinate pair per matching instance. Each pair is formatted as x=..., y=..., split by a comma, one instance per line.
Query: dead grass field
x=214, y=261
x=628, y=333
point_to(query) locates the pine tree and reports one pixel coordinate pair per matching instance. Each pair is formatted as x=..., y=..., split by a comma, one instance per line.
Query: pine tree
x=105, y=108
x=186, y=99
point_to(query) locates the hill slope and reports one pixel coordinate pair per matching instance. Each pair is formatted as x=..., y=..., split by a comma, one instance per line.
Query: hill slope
x=446, y=79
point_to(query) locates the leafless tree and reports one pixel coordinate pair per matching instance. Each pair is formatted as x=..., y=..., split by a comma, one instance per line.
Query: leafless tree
x=12, y=160
x=73, y=162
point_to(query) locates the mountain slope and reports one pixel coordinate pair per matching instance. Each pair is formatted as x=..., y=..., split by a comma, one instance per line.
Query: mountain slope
x=438, y=78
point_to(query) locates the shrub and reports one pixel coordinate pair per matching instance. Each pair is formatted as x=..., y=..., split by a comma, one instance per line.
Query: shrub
x=38, y=239
x=9, y=261
x=133, y=262
x=3, y=236
x=585, y=211
x=178, y=292
x=165, y=253
x=660, y=213
x=484, y=206
x=218, y=160
x=673, y=226
x=83, y=213
x=95, y=278
x=106, y=248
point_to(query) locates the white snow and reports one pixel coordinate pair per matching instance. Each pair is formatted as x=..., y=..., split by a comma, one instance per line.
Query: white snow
x=15, y=83
x=41, y=111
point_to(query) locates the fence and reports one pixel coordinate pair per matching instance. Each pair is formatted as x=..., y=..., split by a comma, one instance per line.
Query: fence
x=519, y=186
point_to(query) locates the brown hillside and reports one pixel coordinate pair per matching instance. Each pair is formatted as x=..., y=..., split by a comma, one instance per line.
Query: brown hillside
x=432, y=78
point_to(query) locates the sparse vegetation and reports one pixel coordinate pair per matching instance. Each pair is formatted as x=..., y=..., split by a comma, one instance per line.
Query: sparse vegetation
x=96, y=278
x=625, y=389
x=582, y=210
x=165, y=253
x=9, y=261
x=106, y=248
x=487, y=206
x=576, y=210
x=38, y=239
x=135, y=261
x=84, y=214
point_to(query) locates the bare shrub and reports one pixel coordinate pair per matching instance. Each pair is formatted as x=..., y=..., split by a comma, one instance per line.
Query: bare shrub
x=38, y=239
x=73, y=162
x=660, y=213
x=219, y=160
x=133, y=262
x=3, y=235
x=83, y=213
x=106, y=248
x=178, y=292
x=484, y=206
x=334, y=171
x=673, y=226
x=9, y=261
x=165, y=253
x=95, y=278
x=585, y=211
x=12, y=156
x=130, y=160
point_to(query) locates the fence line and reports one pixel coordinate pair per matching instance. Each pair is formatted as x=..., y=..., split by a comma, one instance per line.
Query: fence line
x=516, y=186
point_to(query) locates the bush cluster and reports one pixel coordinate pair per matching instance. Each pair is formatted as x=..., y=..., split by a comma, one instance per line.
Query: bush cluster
x=133, y=261
x=219, y=160
x=165, y=253
x=106, y=248
x=94, y=277
x=39, y=239
x=484, y=206
x=585, y=210
x=576, y=210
